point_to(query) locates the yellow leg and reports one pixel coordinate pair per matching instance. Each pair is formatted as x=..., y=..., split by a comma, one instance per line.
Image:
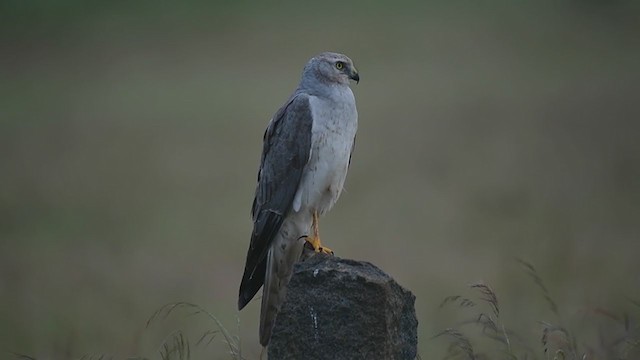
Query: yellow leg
x=314, y=240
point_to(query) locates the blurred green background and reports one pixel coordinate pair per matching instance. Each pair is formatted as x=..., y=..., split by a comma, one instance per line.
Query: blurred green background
x=130, y=135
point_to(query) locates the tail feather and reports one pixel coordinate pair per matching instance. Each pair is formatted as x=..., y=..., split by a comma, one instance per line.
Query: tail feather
x=283, y=254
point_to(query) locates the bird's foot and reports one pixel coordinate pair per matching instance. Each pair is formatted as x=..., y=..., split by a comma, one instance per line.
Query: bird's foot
x=317, y=245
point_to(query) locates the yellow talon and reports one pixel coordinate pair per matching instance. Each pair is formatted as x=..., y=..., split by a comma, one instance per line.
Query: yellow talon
x=317, y=245
x=314, y=240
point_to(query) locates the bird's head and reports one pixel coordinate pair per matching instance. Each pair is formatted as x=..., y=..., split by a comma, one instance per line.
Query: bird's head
x=332, y=68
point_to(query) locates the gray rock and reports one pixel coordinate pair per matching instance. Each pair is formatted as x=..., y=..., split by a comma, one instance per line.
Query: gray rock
x=344, y=309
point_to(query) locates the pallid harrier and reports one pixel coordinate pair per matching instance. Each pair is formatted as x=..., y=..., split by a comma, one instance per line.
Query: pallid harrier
x=305, y=157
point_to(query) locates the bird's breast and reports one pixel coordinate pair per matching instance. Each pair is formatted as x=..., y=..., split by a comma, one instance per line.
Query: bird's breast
x=334, y=128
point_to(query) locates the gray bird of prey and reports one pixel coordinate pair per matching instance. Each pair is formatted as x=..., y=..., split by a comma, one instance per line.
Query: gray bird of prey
x=305, y=157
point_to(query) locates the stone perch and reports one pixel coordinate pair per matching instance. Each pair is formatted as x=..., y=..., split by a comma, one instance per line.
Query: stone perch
x=344, y=309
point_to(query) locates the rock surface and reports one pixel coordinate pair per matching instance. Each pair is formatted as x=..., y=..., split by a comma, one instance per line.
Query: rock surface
x=344, y=309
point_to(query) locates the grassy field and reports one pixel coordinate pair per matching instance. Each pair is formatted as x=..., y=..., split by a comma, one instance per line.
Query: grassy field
x=130, y=135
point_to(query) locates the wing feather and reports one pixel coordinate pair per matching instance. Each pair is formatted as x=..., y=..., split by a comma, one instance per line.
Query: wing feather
x=285, y=152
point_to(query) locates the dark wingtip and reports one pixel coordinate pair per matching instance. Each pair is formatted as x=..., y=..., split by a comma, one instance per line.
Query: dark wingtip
x=252, y=281
x=248, y=289
x=242, y=301
x=243, y=295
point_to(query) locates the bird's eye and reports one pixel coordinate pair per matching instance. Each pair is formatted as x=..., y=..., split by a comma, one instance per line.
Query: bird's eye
x=339, y=65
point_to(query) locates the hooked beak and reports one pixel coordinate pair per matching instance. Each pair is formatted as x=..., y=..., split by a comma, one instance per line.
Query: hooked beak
x=353, y=75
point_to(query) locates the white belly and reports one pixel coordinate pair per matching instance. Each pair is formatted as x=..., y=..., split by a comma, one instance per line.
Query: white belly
x=333, y=133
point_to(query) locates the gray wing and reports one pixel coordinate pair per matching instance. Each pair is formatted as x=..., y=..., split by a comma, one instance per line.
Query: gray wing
x=286, y=149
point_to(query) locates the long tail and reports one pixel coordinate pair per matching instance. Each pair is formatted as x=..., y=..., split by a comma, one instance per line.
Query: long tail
x=283, y=254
